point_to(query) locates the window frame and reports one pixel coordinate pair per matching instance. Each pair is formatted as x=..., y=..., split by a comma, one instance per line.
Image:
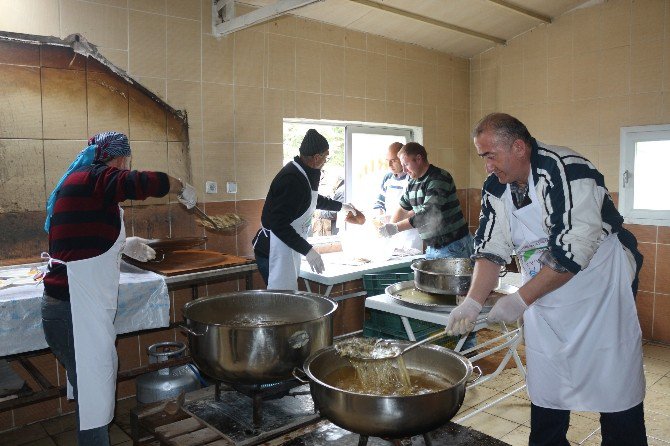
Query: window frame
x=629, y=137
x=416, y=134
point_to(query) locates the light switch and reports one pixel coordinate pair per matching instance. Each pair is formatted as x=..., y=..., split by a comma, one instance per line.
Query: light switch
x=211, y=187
x=231, y=187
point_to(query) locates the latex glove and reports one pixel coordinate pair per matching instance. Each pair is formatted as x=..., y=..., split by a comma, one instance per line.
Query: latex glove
x=187, y=196
x=348, y=207
x=388, y=230
x=137, y=248
x=462, y=318
x=509, y=308
x=315, y=261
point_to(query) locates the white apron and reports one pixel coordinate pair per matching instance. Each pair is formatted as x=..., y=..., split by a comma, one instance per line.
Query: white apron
x=94, y=291
x=583, y=340
x=404, y=239
x=284, y=261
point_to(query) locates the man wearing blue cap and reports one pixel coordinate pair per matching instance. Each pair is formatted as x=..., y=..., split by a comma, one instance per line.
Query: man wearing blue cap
x=86, y=239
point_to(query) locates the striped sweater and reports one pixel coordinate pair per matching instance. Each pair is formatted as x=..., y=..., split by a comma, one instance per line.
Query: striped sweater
x=437, y=211
x=577, y=210
x=86, y=222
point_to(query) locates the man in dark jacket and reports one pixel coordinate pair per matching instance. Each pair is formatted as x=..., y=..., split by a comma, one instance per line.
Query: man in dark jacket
x=286, y=217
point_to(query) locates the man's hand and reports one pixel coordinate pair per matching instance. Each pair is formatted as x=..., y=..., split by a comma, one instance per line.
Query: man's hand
x=187, y=196
x=137, y=248
x=388, y=230
x=462, y=318
x=348, y=207
x=315, y=261
x=508, y=309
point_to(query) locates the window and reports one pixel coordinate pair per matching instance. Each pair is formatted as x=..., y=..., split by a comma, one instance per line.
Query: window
x=645, y=153
x=357, y=157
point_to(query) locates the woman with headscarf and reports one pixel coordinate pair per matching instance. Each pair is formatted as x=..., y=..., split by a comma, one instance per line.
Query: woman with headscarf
x=86, y=239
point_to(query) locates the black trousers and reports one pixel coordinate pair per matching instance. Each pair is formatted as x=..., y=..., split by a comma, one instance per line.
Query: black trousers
x=263, y=264
x=548, y=427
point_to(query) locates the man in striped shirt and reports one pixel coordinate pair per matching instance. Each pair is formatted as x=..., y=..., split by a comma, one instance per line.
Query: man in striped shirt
x=430, y=204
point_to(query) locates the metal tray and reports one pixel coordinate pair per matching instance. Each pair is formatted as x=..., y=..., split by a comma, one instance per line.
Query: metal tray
x=177, y=243
x=406, y=294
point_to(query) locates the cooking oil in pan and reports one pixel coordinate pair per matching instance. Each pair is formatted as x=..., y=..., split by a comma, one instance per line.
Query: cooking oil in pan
x=381, y=377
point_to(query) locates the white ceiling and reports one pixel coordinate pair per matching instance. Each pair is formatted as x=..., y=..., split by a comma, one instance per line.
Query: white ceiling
x=482, y=16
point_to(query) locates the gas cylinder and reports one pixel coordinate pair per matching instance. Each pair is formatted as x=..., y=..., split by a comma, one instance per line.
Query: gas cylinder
x=167, y=382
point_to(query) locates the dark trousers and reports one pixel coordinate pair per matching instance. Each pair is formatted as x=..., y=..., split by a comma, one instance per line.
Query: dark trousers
x=548, y=427
x=57, y=324
x=263, y=264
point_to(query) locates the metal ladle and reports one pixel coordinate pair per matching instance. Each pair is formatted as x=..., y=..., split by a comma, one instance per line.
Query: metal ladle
x=433, y=337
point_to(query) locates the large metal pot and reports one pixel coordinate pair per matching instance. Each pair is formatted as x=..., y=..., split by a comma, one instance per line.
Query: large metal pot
x=390, y=416
x=443, y=276
x=257, y=337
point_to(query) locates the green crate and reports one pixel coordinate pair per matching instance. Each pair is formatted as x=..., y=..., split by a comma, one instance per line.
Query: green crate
x=375, y=284
x=381, y=320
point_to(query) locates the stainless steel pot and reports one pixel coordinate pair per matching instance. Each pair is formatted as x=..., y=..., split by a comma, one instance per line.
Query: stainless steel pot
x=257, y=337
x=443, y=276
x=390, y=416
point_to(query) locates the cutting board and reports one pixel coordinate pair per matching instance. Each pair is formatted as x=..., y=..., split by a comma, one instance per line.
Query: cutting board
x=189, y=261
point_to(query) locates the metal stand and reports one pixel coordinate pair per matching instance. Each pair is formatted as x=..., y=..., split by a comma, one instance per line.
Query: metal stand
x=258, y=393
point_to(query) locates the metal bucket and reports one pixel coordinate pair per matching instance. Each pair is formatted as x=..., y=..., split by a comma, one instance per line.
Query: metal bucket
x=257, y=337
x=391, y=416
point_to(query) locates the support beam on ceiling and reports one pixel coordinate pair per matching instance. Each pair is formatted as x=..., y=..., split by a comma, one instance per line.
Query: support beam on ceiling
x=224, y=27
x=524, y=11
x=429, y=20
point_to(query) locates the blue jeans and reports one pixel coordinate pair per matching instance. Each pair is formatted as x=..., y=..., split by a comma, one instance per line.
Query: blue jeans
x=461, y=248
x=548, y=427
x=57, y=325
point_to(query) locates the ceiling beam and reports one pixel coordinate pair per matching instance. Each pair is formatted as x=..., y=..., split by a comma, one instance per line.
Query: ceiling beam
x=429, y=20
x=524, y=11
x=222, y=27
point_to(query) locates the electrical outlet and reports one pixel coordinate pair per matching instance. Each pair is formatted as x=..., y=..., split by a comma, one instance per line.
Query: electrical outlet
x=211, y=187
x=231, y=187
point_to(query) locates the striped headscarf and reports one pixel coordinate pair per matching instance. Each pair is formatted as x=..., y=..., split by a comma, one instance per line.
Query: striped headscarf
x=101, y=148
x=109, y=145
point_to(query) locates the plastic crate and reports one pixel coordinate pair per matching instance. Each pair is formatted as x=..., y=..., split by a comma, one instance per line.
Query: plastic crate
x=381, y=320
x=375, y=284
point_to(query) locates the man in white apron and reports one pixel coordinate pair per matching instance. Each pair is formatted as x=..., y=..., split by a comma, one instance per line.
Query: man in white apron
x=393, y=187
x=86, y=239
x=579, y=272
x=286, y=217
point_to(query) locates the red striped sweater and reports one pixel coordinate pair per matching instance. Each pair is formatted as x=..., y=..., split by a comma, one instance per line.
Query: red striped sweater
x=86, y=222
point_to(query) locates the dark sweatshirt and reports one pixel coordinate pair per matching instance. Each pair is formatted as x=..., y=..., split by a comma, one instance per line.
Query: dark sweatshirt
x=289, y=197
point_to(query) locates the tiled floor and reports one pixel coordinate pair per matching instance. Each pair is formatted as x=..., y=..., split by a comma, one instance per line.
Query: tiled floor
x=509, y=420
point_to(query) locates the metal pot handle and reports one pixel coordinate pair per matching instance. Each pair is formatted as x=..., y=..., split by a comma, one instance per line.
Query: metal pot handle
x=296, y=371
x=471, y=382
x=191, y=332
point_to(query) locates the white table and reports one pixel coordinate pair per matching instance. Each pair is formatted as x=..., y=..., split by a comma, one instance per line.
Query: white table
x=340, y=269
x=507, y=341
x=143, y=304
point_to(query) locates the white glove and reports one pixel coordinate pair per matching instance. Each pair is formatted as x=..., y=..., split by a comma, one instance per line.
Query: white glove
x=462, y=318
x=187, y=196
x=348, y=207
x=388, y=230
x=509, y=308
x=315, y=261
x=137, y=248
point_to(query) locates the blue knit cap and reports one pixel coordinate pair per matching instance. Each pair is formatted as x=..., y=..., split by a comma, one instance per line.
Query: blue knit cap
x=101, y=148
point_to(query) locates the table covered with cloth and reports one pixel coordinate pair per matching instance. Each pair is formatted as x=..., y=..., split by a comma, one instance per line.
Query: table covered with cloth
x=143, y=304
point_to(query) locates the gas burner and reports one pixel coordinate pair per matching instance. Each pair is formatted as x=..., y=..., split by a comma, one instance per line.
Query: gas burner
x=363, y=441
x=259, y=393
